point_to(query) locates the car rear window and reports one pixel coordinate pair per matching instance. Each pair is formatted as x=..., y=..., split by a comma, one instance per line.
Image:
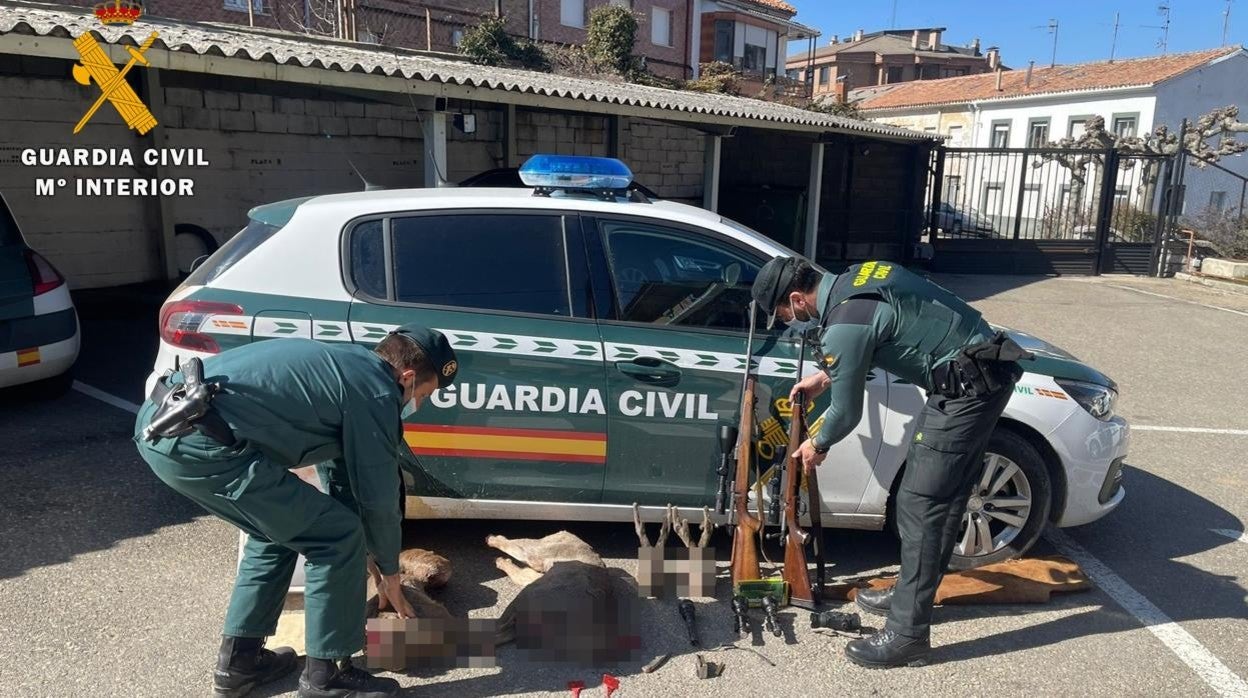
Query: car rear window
x=263, y=222
x=8, y=227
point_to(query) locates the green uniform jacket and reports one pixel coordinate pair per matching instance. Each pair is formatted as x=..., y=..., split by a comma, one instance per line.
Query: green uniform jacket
x=303, y=402
x=879, y=314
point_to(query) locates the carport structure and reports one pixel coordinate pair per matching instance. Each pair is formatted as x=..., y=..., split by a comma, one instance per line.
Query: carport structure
x=282, y=115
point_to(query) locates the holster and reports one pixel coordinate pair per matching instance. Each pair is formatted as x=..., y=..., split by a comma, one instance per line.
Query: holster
x=980, y=370
x=187, y=406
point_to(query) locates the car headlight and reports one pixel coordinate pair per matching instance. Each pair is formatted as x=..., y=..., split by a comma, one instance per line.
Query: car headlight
x=1096, y=399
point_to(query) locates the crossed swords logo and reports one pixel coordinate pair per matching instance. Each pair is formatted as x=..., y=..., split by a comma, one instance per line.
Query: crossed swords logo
x=112, y=82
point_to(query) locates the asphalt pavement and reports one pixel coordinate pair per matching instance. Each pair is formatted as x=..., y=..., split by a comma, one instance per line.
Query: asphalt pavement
x=111, y=584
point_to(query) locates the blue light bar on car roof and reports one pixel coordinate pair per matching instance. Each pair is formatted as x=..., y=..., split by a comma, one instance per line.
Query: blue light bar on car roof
x=575, y=172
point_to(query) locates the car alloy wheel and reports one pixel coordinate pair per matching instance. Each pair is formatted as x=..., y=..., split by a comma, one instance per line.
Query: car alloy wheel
x=998, y=509
x=1009, y=505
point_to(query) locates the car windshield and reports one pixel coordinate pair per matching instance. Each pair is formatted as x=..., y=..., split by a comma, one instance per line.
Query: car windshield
x=8, y=227
x=263, y=222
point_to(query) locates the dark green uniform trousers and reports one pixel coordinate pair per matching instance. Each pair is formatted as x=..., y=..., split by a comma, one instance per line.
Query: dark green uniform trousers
x=945, y=458
x=283, y=517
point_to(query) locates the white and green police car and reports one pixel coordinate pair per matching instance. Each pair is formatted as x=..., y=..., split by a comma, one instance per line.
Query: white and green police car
x=601, y=342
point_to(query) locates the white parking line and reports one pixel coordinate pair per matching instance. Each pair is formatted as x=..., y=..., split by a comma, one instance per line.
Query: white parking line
x=1181, y=300
x=105, y=397
x=1191, y=430
x=1233, y=535
x=1172, y=635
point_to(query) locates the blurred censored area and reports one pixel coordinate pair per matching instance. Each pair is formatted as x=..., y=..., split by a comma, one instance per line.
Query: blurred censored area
x=397, y=644
x=581, y=629
x=691, y=572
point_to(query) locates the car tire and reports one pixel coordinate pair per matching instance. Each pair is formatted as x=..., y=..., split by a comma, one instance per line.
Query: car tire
x=1010, y=446
x=955, y=230
x=1006, y=447
x=188, y=237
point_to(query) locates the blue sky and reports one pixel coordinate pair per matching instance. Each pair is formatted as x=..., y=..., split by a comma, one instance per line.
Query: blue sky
x=1085, y=29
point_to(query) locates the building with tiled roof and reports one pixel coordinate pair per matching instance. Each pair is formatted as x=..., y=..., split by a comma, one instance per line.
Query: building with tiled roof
x=886, y=58
x=1036, y=107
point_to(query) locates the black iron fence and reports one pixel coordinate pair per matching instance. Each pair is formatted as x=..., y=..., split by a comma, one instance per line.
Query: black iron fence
x=1047, y=210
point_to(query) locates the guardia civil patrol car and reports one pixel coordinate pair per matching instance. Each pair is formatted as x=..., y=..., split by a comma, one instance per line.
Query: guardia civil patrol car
x=601, y=338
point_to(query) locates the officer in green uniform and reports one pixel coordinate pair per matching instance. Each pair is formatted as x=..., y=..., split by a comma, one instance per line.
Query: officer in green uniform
x=279, y=404
x=878, y=314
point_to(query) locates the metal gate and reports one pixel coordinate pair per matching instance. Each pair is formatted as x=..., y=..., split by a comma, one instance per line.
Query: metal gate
x=1046, y=210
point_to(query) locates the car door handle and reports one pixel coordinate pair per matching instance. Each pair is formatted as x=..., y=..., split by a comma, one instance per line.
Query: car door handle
x=649, y=369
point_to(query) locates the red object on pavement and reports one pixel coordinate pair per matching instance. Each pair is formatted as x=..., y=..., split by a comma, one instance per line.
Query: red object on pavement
x=611, y=683
x=575, y=687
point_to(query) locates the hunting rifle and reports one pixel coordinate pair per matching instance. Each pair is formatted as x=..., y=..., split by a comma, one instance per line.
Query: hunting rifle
x=745, y=534
x=796, y=571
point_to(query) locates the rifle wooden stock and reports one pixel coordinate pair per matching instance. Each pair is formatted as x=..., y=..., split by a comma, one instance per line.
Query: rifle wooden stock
x=796, y=572
x=745, y=534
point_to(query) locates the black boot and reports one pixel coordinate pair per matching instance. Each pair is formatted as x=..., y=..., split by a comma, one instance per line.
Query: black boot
x=888, y=649
x=325, y=678
x=876, y=601
x=243, y=663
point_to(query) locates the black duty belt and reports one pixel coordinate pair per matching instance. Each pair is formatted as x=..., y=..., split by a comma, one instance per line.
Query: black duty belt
x=980, y=370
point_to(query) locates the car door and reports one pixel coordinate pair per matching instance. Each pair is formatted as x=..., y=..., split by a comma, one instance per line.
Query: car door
x=674, y=336
x=526, y=418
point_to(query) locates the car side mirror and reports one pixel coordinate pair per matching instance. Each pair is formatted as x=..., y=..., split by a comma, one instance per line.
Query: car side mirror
x=732, y=274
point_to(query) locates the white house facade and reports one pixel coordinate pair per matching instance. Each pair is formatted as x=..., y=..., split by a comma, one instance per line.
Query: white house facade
x=1034, y=108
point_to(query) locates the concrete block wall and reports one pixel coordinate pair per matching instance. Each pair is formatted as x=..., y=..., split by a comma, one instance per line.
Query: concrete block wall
x=468, y=154
x=562, y=133
x=667, y=158
x=270, y=141
x=93, y=241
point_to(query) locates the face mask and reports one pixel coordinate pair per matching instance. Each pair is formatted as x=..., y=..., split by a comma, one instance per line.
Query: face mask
x=409, y=407
x=801, y=325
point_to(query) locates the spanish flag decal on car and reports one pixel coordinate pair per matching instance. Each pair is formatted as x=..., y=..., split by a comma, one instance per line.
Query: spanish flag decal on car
x=27, y=357
x=506, y=444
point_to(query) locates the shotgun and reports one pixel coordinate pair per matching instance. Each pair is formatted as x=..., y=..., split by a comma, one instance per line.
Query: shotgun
x=745, y=534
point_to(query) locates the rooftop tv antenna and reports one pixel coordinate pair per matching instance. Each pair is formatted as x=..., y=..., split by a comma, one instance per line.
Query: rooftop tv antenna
x=1114, y=42
x=1164, y=10
x=1226, y=21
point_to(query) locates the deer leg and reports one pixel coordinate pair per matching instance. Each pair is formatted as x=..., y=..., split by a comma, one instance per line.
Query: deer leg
x=520, y=549
x=521, y=576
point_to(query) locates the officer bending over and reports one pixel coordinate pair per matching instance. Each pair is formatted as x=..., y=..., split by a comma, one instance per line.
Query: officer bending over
x=878, y=314
x=281, y=404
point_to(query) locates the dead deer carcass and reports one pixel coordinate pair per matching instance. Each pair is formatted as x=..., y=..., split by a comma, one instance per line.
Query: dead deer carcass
x=570, y=607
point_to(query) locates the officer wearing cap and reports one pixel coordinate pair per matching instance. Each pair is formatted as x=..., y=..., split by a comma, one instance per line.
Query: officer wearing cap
x=286, y=403
x=878, y=314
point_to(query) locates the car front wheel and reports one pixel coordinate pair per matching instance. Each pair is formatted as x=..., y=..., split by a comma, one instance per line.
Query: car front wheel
x=1009, y=504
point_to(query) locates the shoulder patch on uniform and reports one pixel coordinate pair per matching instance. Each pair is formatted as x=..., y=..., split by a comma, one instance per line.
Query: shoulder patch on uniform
x=854, y=311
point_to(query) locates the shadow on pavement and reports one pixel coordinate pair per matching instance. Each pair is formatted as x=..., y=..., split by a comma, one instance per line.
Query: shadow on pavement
x=1146, y=542
x=976, y=287
x=74, y=483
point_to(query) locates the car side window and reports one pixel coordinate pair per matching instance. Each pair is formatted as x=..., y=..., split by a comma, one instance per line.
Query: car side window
x=507, y=262
x=368, y=259
x=665, y=276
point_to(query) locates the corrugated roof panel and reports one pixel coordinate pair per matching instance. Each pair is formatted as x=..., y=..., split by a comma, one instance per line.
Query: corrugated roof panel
x=284, y=48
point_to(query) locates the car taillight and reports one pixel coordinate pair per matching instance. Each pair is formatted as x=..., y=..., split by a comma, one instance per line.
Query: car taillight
x=42, y=273
x=181, y=322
